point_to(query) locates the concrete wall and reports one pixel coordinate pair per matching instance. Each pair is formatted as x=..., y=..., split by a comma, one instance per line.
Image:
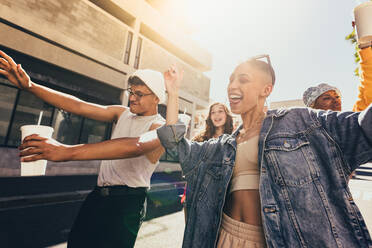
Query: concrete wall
x=61, y=51
x=87, y=37
x=77, y=24
x=157, y=58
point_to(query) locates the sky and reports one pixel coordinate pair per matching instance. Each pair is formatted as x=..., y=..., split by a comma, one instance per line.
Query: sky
x=305, y=40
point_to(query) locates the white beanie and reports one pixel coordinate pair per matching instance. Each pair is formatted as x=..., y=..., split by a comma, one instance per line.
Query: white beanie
x=154, y=80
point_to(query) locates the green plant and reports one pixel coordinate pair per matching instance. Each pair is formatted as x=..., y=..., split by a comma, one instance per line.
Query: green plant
x=352, y=38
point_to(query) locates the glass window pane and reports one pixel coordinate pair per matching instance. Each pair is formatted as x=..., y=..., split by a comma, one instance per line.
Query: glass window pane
x=94, y=131
x=171, y=158
x=27, y=113
x=163, y=157
x=67, y=127
x=7, y=100
x=128, y=47
x=138, y=53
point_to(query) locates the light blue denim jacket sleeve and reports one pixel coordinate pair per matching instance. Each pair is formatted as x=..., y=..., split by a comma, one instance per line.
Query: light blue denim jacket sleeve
x=173, y=140
x=365, y=121
x=352, y=131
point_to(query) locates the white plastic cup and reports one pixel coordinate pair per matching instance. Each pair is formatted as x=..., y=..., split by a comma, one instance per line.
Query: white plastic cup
x=363, y=22
x=35, y=168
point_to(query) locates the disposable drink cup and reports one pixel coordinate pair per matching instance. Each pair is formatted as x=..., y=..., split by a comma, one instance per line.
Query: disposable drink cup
x=35, y=168
x=363, y=22
x=185, y=119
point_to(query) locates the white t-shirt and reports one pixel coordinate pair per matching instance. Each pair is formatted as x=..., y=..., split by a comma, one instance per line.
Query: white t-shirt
x=133, y=172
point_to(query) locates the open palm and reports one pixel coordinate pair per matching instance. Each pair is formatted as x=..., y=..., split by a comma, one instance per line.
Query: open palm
x=13, y=72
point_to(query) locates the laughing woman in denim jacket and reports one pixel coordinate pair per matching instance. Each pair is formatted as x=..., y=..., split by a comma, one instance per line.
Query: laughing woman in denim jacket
x=280, y=180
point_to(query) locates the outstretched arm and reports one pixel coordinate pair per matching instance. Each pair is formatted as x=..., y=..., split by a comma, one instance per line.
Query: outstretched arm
x=52, y=150
x=365, y=87
x=18, y=77
x=352, y=131
x=147, y=144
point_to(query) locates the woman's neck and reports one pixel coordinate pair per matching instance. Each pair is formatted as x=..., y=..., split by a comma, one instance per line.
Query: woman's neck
x=218, y=132
x=253, y=117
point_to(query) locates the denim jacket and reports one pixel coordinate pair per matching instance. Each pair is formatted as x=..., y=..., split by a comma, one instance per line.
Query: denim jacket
x=305, y=158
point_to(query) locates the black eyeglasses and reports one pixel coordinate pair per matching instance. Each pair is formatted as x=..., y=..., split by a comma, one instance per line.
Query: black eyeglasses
x=137, y=94
x=268, y=62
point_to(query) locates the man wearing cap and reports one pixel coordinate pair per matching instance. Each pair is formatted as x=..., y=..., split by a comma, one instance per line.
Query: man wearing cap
x=115, y=209
x=113, y=212
x=327, y=97
x=323, y=96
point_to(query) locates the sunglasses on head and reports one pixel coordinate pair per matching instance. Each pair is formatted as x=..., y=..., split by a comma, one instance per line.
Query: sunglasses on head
x=263, y=56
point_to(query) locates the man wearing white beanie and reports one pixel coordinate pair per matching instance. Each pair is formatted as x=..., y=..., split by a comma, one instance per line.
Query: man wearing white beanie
x=113, y=212
x=123, y=183
x=154, y=80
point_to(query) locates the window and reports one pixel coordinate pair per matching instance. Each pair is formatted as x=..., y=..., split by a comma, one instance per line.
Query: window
x=169, y=157
x=20, y=107
x=67, y=127
x=73, y=129
x=138, y=53
x=128, y=48
x=162, y=110
x=7, y=101
x=94, y=131
x=27, y=113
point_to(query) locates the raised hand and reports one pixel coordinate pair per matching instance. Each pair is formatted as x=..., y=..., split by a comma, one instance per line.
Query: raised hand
x=173, y=77
x=36, y=148
x=13, y=72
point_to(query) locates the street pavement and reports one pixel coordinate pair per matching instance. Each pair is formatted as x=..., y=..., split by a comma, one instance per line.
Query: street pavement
x=166, y=231
x=362, y=195
x=162, y=232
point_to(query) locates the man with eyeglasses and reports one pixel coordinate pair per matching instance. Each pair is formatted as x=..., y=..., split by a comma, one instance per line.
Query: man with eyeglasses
x=113, y=212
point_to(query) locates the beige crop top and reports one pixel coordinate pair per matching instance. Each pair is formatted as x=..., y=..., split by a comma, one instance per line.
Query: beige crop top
x=246, y=174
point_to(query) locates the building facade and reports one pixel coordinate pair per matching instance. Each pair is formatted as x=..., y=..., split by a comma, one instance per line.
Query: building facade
x=88, y=49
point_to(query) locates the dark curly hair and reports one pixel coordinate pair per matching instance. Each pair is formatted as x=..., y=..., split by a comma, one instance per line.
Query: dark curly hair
x=210, y=129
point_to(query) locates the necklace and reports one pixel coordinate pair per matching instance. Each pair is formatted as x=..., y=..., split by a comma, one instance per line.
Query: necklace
x=244, y=131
